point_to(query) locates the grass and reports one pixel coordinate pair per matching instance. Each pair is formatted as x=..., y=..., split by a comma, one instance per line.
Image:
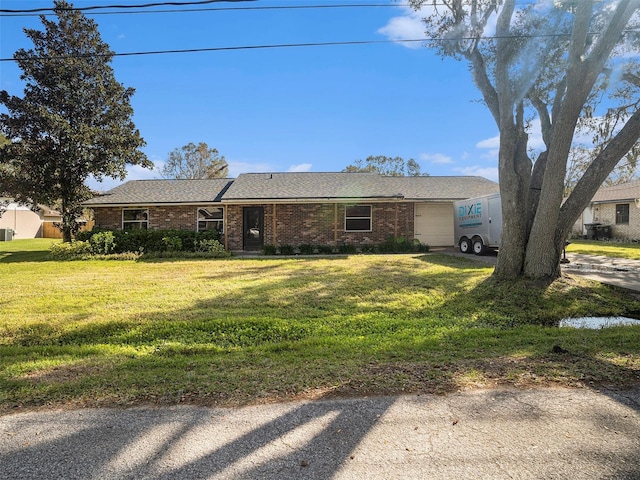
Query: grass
x=607, y=249
x=237, y=331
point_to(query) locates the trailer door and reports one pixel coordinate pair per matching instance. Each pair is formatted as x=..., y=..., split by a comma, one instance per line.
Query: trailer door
x=495, y=221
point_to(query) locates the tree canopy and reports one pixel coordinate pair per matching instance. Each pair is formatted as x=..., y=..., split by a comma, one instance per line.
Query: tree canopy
x=390, y=166
x=73, y=121
x=572, y=67
x=195, y=161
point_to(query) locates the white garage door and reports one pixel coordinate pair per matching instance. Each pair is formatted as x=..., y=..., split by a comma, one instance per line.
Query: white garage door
x=434, y=224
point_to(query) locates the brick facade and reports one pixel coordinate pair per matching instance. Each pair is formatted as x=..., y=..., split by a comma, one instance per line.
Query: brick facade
x=284, y=224
x=606, y=213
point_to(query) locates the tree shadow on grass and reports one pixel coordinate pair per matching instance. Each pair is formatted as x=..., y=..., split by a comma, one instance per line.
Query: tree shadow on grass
x=24, y=257
x=294, y=327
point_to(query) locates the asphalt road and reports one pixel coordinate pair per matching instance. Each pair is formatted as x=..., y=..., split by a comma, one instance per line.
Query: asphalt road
x=493, y=434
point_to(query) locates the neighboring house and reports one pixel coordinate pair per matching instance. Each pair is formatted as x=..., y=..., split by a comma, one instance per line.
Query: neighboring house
x=28, y=223
x=294, y=208
x=616, y=207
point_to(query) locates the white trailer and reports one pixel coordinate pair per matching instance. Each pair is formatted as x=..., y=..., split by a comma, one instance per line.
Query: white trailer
x=478, y=224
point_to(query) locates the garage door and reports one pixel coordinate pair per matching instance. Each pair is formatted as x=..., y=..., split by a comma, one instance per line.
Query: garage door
x=434, y=224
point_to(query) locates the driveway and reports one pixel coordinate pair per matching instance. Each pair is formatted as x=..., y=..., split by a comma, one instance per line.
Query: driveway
x=621, y=272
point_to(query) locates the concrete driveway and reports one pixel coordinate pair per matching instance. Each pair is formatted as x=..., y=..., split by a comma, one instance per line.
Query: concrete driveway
x=621, y=272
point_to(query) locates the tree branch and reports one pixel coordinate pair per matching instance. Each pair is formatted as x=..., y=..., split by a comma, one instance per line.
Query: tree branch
x=598, y=171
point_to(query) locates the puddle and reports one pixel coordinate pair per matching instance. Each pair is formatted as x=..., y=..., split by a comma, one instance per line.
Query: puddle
x=598, y=322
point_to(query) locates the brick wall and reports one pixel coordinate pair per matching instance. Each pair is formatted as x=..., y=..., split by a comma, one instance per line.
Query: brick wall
x=286, y=224
x=606, y=213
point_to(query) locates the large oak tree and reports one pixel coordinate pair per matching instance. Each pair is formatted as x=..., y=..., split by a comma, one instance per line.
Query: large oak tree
x=73, y=121
x=554, y=62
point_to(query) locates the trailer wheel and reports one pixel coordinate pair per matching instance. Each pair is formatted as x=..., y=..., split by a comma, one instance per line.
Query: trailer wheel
x=479, y=247
x=465, y=245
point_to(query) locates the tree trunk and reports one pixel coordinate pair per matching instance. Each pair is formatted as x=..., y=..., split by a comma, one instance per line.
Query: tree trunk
x=67, y=227
x=514, y=172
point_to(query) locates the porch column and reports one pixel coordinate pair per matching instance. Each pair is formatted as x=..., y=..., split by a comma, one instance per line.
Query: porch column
x=335, y=224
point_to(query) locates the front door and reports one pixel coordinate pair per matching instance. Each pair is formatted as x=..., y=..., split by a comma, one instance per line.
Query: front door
x=253, y=228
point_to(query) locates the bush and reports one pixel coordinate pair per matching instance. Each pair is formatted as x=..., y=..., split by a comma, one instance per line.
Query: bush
x=402, y=245
x=286, y=250
x=118, y=243
x=213, y=247
x=172, y=243
x=102, y=243
x=347, y=249
x=367, y=248
x=269, y=249
x=306, y=249
x=325, y=249
x=70, y=250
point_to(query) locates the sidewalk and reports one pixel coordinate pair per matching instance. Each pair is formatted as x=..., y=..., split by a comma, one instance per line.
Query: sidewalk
x=492, y=434
x=621, y=272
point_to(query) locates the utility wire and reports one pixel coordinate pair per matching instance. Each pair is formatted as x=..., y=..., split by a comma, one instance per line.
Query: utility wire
x=103, y=7
x=219, y=9
x=40, y=11
x=288, y=45
x=221, y=49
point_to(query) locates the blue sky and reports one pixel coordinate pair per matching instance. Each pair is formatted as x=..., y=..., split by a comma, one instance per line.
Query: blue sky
x=287, y=109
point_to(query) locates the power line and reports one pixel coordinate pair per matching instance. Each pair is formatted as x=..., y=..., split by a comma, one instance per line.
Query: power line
x=222, y=49
x=217, y=9
x=292, y=45
x=103, y=7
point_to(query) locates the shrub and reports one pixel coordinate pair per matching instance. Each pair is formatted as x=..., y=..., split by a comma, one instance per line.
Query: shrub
x=85, y=235
x=70, y=250
x=347, y=249
x=172, y=243
x=286, y=250
x=213, y=247
x=306, y=249
x=102, y=243
x=325, y=249
x=367, y=248
x=269, y=249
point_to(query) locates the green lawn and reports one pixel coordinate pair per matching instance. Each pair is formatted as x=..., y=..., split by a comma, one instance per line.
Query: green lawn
x=607, y=249
x=235, y=331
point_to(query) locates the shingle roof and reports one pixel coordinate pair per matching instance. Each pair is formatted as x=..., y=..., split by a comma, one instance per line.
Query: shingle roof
x=305, y=186
x=148, y=192
x=314, y=186
x=628, y=191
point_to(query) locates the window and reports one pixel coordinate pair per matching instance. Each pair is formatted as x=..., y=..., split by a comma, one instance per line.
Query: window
x=135, y=219
x=210, y=219
x=622, y=213
x=357, y=218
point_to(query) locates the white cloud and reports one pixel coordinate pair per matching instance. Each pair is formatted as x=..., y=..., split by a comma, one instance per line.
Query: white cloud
x=302, y=167
x=491, y=147
x=408, y=26
x=436, y=158
x=476, y=170
x=489, y=143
